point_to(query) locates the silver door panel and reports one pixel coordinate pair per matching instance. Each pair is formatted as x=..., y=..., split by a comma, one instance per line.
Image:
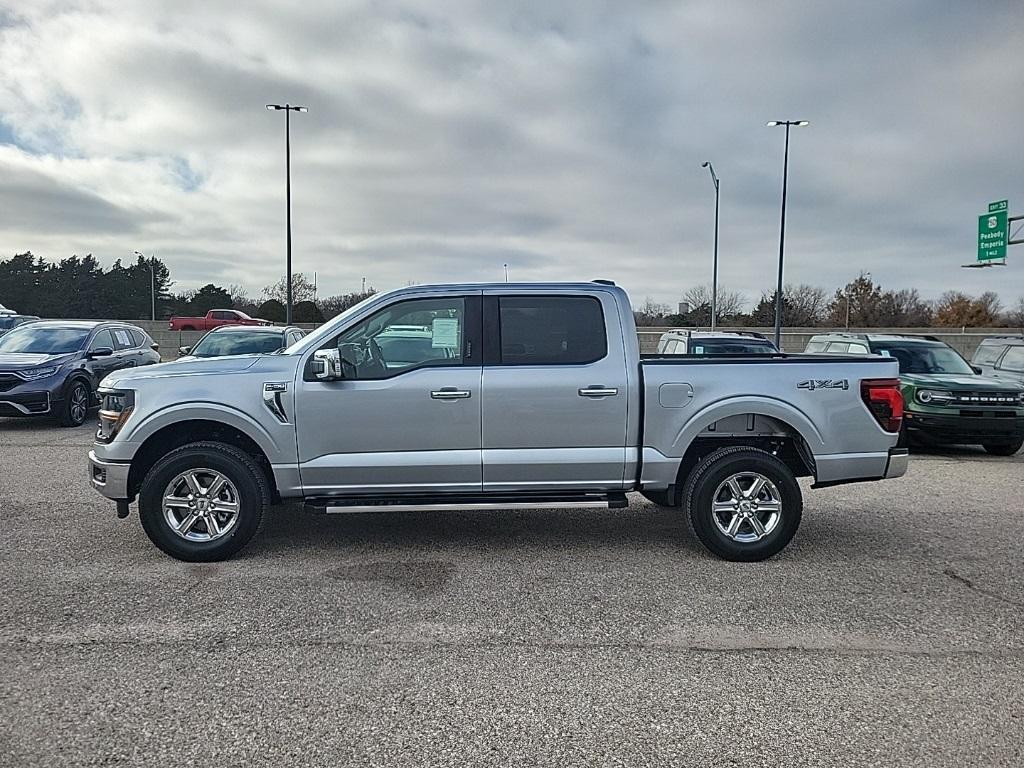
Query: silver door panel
x=554, y=468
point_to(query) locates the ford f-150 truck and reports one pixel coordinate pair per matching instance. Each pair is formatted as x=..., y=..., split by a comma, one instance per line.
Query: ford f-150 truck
x=213, y=319
x=527, y=396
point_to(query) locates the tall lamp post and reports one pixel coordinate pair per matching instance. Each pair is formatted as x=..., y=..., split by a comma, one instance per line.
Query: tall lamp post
x=782, y=226
x=152, y=283
x=288, y=109
x=714, y=271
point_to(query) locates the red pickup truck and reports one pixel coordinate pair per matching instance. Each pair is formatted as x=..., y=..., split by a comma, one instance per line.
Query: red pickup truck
x=213, y=319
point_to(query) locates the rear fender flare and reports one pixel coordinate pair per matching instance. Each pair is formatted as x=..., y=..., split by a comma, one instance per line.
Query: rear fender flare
x=740, y=406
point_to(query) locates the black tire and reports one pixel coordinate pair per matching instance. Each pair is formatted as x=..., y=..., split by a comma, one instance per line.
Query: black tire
x=657, y=497
x=73, y=412
x=253, y=493
x=1004, y=449
x=712, y=473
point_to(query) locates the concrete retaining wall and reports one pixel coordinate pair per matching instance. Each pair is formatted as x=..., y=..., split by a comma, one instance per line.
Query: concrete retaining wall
x=793, y=339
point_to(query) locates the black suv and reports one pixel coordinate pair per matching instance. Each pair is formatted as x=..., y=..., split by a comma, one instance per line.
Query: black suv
x=52, y=367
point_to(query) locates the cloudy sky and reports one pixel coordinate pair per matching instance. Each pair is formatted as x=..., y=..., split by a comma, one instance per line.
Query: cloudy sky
x=564, y=139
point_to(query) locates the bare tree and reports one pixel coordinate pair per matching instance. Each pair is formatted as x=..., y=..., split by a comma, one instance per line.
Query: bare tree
x=302, y=289
x=730, y=303
x=1015, y=317
x=333, y=305
x=650, y=313
x=957, y=309
x=806, y=305
x=240, y=297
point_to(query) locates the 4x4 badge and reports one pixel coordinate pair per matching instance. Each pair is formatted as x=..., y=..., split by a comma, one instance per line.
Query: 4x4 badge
x=813, y=384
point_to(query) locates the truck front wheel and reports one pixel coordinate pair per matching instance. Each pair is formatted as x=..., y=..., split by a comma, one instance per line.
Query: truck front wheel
x=203, y=501
x=743, y=504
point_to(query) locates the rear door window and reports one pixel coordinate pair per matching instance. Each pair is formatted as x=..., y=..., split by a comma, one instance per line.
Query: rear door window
x=987, y=354
x=857, y=349
x=840, y=347
x=1013, y=360
x=551, y=330
x=123, y=338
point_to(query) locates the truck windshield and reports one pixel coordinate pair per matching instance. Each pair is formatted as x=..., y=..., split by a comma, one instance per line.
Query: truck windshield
x=925, y=358
x=44, y=340
x=238, y=343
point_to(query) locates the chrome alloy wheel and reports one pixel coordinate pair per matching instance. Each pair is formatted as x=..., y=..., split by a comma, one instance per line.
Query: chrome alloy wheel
x=201, y=505
x=747, y=507
x=79, y=403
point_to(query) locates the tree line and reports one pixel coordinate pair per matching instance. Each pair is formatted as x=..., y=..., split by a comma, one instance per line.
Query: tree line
x=862, y=303
x=78, y=287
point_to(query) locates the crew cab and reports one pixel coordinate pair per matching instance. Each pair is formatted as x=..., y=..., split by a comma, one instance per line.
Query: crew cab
x=526, y=396
x=213, y=319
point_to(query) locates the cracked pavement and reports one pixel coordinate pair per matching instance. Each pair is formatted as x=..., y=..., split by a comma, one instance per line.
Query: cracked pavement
x=888, y=633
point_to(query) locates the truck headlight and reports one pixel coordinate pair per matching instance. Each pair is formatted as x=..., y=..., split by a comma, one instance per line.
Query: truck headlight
x=31, y=374
x=934, y=396
x=115, y=408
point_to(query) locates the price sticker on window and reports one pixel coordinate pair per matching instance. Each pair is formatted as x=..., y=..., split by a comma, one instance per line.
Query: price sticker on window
x=444, y=333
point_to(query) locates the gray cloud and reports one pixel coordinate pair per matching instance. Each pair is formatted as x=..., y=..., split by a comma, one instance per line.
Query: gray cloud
x=443, y=142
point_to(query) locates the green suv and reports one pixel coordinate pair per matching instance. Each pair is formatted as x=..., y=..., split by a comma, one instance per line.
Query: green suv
x=946, y=399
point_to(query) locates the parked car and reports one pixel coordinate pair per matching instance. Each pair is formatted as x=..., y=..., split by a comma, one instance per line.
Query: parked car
x=53, y=367
x=1001, y=357
x=243, y=340
x=947, y=400
x=684, y=342
x=531, y=396
x=10, y=320
x=213, y=319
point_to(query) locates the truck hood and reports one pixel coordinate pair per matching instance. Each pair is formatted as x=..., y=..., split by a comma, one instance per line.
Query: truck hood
x=194, y=366
x=957, y=381
x=18, y=361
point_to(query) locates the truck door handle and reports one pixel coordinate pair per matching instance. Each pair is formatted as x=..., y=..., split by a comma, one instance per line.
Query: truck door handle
x=450, y=393
x=596, y=391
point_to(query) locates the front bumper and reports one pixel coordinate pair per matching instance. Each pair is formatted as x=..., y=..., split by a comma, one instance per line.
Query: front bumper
x=959, y=428
x=25, y=403
x=109, y=478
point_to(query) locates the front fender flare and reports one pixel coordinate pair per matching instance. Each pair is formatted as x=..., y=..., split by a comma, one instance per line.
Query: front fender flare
x=216, y=412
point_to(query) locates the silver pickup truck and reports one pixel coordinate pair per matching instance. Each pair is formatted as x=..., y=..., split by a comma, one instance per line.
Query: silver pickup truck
x=484, y=397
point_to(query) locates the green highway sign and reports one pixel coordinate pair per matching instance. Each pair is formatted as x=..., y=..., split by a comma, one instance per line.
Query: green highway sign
x=999, y=205
x=992, y=233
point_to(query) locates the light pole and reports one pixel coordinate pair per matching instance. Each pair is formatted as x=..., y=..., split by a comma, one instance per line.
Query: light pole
x=782, y=226
x=288, y=109
x=152, y=283
x=714, y=271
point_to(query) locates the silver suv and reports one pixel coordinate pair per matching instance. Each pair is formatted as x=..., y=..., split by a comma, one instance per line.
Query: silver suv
x=684, y=342
x=1001, y=357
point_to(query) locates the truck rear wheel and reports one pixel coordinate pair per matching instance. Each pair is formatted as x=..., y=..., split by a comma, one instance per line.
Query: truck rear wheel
x=743, y=504
x=203, y=501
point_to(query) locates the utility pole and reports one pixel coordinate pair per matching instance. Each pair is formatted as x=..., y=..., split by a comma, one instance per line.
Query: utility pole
x=288, y=109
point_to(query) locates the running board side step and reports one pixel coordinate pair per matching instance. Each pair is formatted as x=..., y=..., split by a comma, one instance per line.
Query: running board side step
x=476, y=503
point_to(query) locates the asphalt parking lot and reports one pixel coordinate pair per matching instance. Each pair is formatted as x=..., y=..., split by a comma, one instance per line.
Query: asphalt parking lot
x=888, y=633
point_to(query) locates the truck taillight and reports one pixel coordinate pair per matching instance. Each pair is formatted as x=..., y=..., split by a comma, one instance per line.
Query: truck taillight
x=885, y=401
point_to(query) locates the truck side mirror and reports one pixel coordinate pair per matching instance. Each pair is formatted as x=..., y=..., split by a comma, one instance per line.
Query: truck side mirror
x=325, y=365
